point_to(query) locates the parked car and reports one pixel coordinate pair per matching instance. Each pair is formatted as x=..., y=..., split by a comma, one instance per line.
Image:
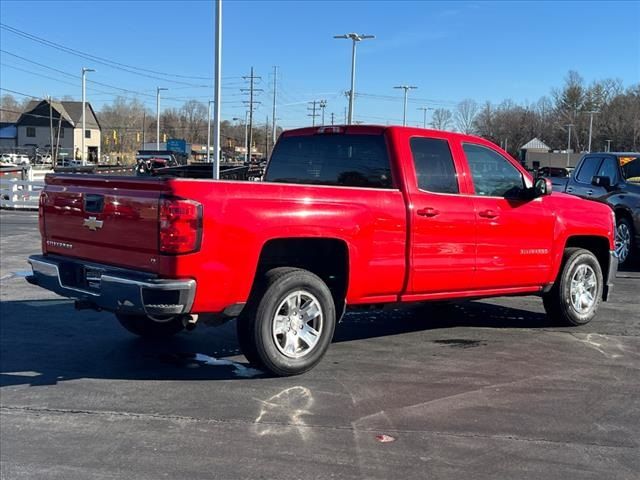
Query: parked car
x=613, y=178
x=7, y=160
x=22, y=159
x=346, y=216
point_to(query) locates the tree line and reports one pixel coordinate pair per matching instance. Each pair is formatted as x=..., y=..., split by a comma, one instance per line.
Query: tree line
x=613, y=109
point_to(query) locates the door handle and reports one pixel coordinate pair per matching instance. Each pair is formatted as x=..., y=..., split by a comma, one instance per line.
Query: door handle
x=569, y=189
x=428, y=212
x=488, y=214
x=589, y=192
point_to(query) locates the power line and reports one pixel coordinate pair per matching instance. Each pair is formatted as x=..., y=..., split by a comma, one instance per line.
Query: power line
x=101, y=60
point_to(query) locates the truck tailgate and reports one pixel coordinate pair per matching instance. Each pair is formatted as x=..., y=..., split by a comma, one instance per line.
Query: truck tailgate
x=104, y=219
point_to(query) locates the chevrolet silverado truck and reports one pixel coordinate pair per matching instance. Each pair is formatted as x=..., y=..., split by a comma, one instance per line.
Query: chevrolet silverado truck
x=345, y=216
x=613, y=178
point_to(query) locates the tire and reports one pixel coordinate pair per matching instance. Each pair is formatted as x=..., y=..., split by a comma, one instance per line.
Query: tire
x=624, y=240
x=577, y=292
x=274, y=335
x=147, y=327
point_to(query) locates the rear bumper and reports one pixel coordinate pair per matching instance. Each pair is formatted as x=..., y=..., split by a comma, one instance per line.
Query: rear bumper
x=113, y=289
x=611, y=275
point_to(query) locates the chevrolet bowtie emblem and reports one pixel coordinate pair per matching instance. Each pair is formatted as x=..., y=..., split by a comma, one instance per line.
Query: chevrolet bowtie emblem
x=92, y=223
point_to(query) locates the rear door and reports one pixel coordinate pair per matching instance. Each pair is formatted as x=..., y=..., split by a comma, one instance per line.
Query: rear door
x=103, y=219
x=514, y=236
x=443, y=237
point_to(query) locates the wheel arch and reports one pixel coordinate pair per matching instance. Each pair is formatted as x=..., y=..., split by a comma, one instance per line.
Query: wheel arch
x=599, y=246
x=328, y=258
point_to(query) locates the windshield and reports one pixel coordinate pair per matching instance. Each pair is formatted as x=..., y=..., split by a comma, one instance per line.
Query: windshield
x=630, y=168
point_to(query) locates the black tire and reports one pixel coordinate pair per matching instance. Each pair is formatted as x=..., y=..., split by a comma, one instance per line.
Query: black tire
x=255, y=327
x=558, y=301
x=623, y=224
x=146, y=327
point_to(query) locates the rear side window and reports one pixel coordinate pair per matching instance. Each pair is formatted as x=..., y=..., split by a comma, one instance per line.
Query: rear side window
x=341, y=160
x=630, y=168
x=435, y=170
x=493, y=175
x=588, y=169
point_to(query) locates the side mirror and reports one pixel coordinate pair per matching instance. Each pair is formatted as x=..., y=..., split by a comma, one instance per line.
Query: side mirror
x=542, y=187
x=604, y=182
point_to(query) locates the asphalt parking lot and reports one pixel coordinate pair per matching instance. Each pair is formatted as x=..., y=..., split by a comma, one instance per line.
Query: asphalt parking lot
x=481, y=390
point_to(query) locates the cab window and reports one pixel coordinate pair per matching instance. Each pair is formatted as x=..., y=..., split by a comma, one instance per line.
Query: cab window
x=493, y=175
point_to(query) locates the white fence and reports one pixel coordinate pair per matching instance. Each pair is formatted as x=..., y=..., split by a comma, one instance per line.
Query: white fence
x=20, y=194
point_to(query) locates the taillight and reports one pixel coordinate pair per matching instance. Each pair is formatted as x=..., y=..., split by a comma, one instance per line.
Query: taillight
x=180, y=225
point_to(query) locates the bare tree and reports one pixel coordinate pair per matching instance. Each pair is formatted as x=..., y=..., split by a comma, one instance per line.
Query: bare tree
x=441, y=119
x=465, y=115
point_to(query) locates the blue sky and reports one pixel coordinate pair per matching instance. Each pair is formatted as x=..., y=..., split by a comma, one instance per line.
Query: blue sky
x=449, y=50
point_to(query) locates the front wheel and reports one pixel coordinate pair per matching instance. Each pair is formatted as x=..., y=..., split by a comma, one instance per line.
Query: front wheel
x=576, y=295
x=151, y=327
x=624, y=239
x=289, y=322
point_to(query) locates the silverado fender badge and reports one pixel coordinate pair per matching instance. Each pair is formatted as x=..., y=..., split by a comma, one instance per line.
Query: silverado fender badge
x=92, y=223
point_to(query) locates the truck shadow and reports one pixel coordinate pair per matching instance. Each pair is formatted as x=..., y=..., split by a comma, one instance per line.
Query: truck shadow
x=43, y=342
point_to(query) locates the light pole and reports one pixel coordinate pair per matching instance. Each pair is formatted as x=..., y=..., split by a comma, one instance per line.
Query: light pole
x=608, y=145
x=424, y=120
x=354, y=37
x=591, y=114
x=209, y=131
x=569, y=144
x=217, y=86
x=84, y=106
x=158, y=89
x=406, y=89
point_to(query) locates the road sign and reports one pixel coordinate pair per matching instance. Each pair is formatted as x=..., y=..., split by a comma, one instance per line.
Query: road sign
x=177, y=145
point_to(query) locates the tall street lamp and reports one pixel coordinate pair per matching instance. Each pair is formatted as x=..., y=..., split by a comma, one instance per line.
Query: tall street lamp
x=209, y=131
x=569, y=126
x=354, y=37
x=158, y=90
x=406, y=89
x=84, y=100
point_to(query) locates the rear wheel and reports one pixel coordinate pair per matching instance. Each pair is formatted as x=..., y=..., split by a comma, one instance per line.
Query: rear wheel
x=577, y=293
x=289, y=322
x=151, y=327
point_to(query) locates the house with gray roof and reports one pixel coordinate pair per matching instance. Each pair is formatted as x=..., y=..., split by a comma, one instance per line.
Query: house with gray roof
x=43, y=121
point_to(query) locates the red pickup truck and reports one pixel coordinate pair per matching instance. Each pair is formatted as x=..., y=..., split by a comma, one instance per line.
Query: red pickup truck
x=345, y=216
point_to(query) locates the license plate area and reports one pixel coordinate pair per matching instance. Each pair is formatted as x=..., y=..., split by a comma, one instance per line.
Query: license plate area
x=92, y=277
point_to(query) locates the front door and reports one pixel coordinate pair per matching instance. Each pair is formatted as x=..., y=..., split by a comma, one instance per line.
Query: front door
x=515, y=236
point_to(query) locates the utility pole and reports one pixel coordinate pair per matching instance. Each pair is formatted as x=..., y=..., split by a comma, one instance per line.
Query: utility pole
x=209, y=133
x=323, y=105
x=345, y=116
x=84, y=107
x=355, y=38
x=158, y=90
x=144, y=128
x=53, y=162
x=251, y=91
x=313, y=113
x=273, y=117
x=406, y=89
x=332, y=115
x=246, y=135
x=217, y=88
x=266, y=138
x=569, y=126
x=591, y=114
x=608, y=145
x=424, y=119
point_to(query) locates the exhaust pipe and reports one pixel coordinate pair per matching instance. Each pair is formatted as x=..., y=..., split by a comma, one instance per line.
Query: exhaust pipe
x=189, y=322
